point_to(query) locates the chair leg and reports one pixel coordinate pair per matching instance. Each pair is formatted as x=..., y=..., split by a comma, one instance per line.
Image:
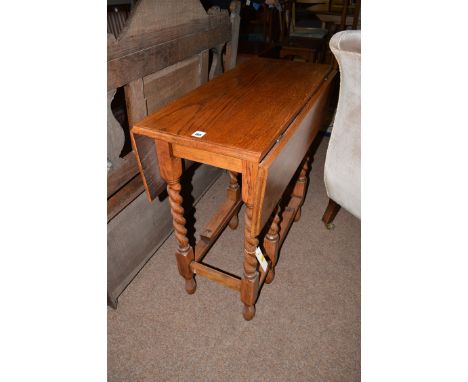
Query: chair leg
x=330, y=213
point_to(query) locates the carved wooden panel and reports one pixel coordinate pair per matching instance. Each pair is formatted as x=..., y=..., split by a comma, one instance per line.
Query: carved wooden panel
x=160, y=33
x=172, y=82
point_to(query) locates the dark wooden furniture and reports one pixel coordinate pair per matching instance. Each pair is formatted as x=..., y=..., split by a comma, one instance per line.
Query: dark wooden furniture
x=311, y=44
x=305, y=43
x=304, y=49
x=330, y=214
x=342, y=14
x=259, y=121
x=160, y=52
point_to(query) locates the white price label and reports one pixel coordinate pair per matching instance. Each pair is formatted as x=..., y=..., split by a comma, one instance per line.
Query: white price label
x=261, y=259
x=198, y=134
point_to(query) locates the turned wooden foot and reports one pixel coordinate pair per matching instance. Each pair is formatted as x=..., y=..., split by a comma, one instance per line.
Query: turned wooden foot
x=234, y=222
x=248, y=312
x=190, y=285
x=233, y=193
x=298, y=215
x=184, y=252
x=270, y=276
x=330, y=214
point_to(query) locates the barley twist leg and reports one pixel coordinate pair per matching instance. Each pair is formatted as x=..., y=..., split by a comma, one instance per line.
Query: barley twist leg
x=249, y=284
x=184, y=252
x=233, y=193
x=271, y=244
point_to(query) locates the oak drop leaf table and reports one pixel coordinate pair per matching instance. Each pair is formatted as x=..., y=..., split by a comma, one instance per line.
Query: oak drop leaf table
x=257, y=120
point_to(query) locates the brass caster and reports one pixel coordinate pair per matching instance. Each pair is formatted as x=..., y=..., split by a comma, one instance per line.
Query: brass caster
x=190, y=286
x=330, y=226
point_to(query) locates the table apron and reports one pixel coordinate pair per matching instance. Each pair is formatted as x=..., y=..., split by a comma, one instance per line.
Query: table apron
x=210, y=158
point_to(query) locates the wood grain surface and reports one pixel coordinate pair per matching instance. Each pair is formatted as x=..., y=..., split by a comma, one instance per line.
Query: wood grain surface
x=283, y=160
x=243, y=112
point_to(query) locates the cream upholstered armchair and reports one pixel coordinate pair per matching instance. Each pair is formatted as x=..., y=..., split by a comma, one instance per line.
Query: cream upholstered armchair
x=343, y=162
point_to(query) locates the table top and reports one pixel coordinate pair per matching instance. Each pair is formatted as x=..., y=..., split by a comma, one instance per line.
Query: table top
x=242, y=112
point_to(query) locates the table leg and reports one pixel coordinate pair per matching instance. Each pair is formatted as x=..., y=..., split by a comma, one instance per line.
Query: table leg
x=301, y=185
x=171, y=171
x=250, y=281
x=184, y=252
x=271, y=244
x=234, y=194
